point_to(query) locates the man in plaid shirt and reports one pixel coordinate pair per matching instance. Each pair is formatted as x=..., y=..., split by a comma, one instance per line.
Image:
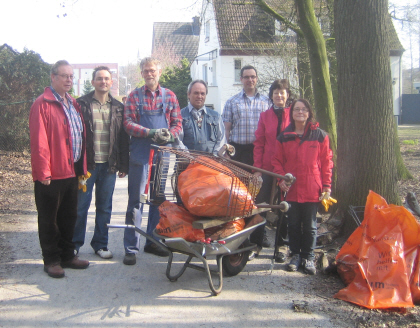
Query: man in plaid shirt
x=151, y=115
x=241, y=115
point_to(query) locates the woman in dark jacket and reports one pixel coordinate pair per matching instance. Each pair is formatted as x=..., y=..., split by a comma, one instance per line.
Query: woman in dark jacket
x=303, y=150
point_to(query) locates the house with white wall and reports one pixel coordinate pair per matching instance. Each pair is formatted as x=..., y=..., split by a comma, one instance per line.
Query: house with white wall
x=234, y=34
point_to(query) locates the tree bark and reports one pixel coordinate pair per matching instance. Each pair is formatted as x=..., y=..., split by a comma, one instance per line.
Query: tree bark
x=304, y=70
x=366, y=146
x=321, y=84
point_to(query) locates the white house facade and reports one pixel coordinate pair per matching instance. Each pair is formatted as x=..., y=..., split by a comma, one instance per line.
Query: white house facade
x=221, y=56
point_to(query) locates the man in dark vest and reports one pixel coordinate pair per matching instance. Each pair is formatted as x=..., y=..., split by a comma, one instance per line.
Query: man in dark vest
x=203, y=128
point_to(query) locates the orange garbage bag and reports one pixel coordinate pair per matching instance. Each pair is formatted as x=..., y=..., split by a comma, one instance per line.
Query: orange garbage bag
x=379, y=262
x=211, y=193
x=175, y=221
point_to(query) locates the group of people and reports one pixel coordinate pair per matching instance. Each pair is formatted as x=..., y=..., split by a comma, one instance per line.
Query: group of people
x=99, y=136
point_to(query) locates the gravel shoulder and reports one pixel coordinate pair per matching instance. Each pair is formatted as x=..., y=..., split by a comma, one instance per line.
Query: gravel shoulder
x=110, y=293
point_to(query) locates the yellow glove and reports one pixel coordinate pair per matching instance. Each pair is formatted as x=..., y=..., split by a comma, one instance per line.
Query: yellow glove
x=327, y=200
x=83, y=180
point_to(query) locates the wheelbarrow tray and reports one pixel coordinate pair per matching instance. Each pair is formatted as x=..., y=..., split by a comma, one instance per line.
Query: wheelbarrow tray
x=231, y=256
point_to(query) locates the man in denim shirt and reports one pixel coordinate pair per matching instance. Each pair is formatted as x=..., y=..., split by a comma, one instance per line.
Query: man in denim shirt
x=203, y=128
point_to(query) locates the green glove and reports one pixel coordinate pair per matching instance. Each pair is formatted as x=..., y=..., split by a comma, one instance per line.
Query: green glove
x=151, y=133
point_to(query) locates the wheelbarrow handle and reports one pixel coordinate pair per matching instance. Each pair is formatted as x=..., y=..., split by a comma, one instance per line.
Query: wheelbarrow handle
x=289, y=178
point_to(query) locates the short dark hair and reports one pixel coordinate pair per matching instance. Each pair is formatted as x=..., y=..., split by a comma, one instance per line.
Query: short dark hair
x=54, y=68
x=101, y=68
x=197, y=81
x=311, y=118
x=248, y=67
x=282, y=84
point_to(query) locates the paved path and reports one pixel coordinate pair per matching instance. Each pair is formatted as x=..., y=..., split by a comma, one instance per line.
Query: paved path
x=109, y=293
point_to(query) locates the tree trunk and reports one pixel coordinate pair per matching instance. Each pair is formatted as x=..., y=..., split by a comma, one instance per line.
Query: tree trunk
x=304, y=70
x=366, y=154
x=321, y=84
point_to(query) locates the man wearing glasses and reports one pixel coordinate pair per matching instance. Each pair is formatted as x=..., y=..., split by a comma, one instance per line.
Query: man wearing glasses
x=240, y=116
x=151, y=115
x=58, y=157
x=106, y=153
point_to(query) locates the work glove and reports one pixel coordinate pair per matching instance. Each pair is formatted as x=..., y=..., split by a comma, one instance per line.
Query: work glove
x=255, y=185
x=163, y=136
x=151, y=134
x=83, y=180
x=327, y=200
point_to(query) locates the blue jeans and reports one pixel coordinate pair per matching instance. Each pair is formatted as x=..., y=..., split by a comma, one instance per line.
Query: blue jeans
x=105, y=184
x=137, y=180
x=302, y=229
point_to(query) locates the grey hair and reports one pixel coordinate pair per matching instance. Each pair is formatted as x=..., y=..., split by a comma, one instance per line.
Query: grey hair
x=150, y=60
x=54, y=68
x=197, y=81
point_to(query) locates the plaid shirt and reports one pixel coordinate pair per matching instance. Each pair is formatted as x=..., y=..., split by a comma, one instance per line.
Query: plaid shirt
x=151, y=101
x=76, y=125
x=244, y=115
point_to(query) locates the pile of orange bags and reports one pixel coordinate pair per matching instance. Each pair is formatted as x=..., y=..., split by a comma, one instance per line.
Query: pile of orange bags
x=176, y=221
x=379, y=262
x=210, y=193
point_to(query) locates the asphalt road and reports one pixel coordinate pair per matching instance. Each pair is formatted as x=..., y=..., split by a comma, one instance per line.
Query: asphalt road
x=110, y=293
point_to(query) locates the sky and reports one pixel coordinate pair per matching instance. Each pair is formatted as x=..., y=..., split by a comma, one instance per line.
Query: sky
x=101, y=31
x=89, y=31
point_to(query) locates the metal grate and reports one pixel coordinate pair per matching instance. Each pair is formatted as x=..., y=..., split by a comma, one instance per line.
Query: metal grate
x=170, y=163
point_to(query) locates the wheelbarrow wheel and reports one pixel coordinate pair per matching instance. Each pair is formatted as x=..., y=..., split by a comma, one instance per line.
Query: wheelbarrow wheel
x=234, y=264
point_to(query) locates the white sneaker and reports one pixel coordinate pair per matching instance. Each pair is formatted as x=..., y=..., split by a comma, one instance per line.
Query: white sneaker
x=105, y=253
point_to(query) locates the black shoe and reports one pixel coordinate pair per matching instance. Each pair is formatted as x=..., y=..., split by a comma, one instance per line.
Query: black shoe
x=280, y=257
x=156, y=250
x=129, y=259
x=265, y=242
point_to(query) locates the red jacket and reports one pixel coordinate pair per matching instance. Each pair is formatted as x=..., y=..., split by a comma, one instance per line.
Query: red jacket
x=266, y=135
x=309, y=160
x=51, y=148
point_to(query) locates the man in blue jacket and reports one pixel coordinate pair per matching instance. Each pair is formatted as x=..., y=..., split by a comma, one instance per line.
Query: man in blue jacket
x=203, y=128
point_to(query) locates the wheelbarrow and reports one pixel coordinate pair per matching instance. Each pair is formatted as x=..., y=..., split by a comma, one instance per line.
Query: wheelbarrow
x=231, y=253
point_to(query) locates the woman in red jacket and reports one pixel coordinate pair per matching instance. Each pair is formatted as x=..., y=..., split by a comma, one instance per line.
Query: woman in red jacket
x=270, y=124
x=303, y=150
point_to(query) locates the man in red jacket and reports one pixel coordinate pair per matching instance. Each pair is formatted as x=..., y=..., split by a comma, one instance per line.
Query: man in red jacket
x=58, y=157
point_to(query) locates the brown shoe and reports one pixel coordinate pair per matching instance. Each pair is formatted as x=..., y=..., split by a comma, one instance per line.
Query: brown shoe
x=54, y=270
x=75, y=263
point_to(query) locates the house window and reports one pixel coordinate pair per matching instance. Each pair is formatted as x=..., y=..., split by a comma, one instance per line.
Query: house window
x=238, y=66
x=214, y=73
x=207, y=31
x=205, y=68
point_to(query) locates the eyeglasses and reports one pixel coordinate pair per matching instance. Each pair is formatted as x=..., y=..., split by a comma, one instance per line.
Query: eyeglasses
x=252, y=77
x=65, y=76
x=303, y=110
x=147, y=71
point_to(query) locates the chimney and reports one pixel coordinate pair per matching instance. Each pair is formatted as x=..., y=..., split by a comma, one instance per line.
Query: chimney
x=196, y=25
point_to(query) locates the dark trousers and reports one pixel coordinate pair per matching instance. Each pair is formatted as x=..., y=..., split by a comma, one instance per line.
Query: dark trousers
x=263, y=196
x=244, y=153
x=57, y=212
x=302, y=229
